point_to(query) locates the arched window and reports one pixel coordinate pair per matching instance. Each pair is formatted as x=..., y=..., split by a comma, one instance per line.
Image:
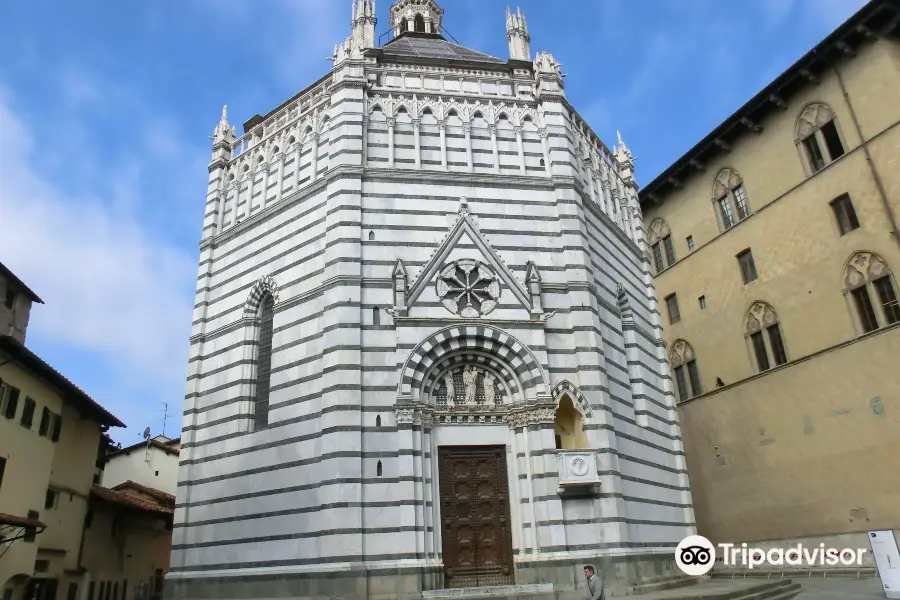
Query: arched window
x=867, y=274
x=569, y=426
x=659, y=237
x=684, y=367
x=264, y=363
x=378, y=469
x=371, y=236
x=376, y=316
x=730, y=198
x=818, y=138
x=420, y=23
x=377, y=420
x=763, y=334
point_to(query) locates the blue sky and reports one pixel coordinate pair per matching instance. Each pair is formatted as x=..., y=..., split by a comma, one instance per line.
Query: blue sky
x=106, y=109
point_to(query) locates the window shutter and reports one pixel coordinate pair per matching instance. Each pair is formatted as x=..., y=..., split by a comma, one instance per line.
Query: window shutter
x=13, y=403
x=44, y=428
x=57, y=428
x=28, y=413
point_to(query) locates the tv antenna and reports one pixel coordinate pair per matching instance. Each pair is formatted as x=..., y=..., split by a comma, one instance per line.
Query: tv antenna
x=165, y=416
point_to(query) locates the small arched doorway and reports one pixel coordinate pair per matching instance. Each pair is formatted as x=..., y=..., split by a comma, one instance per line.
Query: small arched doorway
x=569, y=426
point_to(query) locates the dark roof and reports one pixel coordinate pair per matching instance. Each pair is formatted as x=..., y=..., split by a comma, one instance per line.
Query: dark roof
x=164, y=446
x=432, y=46
x=160, y=495
x=19, y=283
x=128, y=501
x=878, y=17
x=71, y=392
x=14, y=521
x=410, y=45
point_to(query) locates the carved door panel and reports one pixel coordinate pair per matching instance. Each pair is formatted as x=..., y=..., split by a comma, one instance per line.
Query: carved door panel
x=475, y=515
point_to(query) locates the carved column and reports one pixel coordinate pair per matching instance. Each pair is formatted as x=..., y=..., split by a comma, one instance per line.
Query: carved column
x=220, y=209
x=417, y=123
x=298, y=148
x=390, y=123
x=251, y=176
x=365, y=141
x=521, y=145
x=443, y=128
x=545, y=145
x=468, y=129
x=265, y=188
x=280, y=175
x=493, y=130
x=314, y=161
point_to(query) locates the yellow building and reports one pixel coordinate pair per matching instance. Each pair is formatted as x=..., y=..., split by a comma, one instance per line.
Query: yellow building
x=774, y=241
x=50, y=433
x=127, y=542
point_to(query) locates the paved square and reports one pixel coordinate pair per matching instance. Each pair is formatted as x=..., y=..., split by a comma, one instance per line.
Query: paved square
x=840, y=589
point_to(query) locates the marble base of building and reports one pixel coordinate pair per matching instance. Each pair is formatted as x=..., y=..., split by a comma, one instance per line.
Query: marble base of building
x=624, y=575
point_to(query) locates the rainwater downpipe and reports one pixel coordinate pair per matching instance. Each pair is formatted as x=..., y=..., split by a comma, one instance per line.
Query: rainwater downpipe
x=865, y=146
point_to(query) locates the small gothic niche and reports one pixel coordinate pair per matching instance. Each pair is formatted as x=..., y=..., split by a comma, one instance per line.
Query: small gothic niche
x=371, y=236
x=378, y=421
x=378, y=469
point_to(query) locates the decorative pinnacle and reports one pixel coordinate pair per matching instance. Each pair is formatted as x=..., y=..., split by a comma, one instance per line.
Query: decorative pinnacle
x=463, y=206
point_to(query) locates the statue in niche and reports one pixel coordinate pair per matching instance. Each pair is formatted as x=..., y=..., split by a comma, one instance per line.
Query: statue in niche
x=469, y=376
x=451, y=388
x=489, y=391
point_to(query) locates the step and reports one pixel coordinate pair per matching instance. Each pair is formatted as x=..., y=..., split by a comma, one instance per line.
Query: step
x=720, y=589
x=663, y=583
x=538, y=591
x=795, y=573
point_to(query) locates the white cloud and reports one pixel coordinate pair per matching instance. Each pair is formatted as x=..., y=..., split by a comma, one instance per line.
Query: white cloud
x=109, y=286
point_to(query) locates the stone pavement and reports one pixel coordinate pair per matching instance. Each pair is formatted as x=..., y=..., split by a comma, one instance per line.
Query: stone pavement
x=811, y=589
x=840, y=589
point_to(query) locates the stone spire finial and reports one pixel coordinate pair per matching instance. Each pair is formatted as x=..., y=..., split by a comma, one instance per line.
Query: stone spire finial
x=517, y=35
x=363, y=24
x=223, y=131
x=623, y=154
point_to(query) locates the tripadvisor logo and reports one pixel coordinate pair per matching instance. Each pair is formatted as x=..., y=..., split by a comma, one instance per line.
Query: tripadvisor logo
x=695, y=555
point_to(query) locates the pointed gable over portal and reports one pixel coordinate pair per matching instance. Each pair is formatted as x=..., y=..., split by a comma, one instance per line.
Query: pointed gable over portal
x=465, y=277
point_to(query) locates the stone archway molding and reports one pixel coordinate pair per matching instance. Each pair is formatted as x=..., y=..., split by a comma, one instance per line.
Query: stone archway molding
x=479, y=344
x=567, y=388
x=476, y=336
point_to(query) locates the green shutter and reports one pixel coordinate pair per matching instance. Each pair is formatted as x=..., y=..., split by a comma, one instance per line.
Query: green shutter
x=57, y=428
x=13, y=403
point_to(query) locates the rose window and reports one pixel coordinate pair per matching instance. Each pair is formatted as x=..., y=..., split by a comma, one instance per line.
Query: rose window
x=468, y=288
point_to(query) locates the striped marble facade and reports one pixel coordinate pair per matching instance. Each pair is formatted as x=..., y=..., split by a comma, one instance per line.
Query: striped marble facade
x=342, y=205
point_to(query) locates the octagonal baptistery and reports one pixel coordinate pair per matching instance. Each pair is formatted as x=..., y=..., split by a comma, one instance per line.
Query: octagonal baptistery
x=426, y=351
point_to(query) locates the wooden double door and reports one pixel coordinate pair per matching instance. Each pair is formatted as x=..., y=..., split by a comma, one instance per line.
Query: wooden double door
x=475, y=516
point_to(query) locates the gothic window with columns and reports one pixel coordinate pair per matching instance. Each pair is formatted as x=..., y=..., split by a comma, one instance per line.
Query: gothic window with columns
x=662, y=250
x=419, y=23
x=730, y=198
x=264, y=363
x=871, y=290
x=818, y=137
x=684, y=368
x=764, y=337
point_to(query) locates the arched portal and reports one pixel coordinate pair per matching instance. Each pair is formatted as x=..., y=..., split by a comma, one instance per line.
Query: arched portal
x=487, y=349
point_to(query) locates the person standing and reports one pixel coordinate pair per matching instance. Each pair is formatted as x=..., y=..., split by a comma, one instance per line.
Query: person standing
x=595, y=584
